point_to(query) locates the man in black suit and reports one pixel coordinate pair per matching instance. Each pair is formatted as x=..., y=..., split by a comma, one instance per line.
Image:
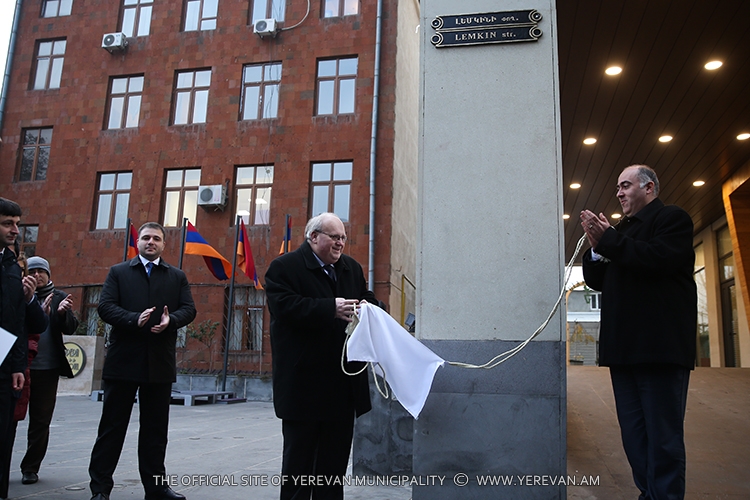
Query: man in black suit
x=312, y=295
x=20, y=314
x=145, y=300
x=644, y=269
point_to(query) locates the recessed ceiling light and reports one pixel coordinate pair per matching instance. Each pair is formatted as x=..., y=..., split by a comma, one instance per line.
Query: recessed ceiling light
x=711, y=65
x=613, y=70
x=665, y=138
x=575, y=185
x=699, y=183
x=743, y=137
x=566, y=216
x=616, y=216
x=589, y=141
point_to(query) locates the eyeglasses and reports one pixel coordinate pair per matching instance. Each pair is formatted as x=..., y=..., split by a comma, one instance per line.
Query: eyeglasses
x=335, y=237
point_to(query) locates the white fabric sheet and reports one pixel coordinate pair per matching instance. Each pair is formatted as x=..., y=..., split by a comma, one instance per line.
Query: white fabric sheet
x=409, y=366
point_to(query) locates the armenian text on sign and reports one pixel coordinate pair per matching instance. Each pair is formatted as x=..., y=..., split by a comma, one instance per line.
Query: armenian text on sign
x=76, y=357
x=491, y=27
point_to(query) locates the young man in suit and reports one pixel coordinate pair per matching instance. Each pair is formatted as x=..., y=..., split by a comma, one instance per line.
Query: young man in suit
x=312, y=295
x=145, y=300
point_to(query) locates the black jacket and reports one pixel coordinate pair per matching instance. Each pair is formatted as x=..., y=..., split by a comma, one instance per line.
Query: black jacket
x=137, y=354
x=649, y=300
x=59, y=326
x=307, y=339
x=17, y=316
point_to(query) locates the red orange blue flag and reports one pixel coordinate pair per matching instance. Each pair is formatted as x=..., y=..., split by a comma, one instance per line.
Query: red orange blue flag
x=245, y=261
x=286, y=245
x=216, y=263
x=132, y=242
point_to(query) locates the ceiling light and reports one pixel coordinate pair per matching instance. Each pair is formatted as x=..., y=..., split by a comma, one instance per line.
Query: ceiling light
x=589, y=141
x=699, y=183
x=616, y=216
x=743, y=137
x=711, y=65
x=613, y=70
x=575, y=185
x=665, y=138
x=566, y=216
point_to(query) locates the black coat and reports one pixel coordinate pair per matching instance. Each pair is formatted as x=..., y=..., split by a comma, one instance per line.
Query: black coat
x=649, y=300
x=137, y=354
x=307, y=339
x=16, y=315
x=59, y=326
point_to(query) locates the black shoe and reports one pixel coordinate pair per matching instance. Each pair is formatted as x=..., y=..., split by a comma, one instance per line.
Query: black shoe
x=30, y=478
x=165, y=494
x=100, y=496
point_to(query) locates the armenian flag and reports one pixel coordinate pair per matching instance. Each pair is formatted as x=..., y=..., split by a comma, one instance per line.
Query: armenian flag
x=132, y=243
x=216, y=263
x=286, y=245
x=245, y=261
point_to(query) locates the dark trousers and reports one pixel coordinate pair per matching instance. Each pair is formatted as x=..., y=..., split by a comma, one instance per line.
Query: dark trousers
x=8, y=398
x=153, y=401
x=42, y=399
x=650, y=401
x=318, y=449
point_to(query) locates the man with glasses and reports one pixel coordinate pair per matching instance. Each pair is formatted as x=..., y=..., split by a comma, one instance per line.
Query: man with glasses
x=312, y=296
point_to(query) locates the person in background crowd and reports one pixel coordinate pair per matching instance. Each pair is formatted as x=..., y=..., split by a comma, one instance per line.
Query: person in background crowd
x=48, y=366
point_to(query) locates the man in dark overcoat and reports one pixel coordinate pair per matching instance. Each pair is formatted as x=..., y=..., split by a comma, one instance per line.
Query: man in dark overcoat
x=312, y=295
x=644, y=269
x=20, y=314
x=145, y=300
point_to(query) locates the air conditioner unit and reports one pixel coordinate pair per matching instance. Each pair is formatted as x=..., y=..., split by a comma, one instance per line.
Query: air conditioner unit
x=114, y=41
x=212, y=196
x=265, y=27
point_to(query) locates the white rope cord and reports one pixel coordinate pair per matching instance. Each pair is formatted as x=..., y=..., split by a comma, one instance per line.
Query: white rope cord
x=500, y=358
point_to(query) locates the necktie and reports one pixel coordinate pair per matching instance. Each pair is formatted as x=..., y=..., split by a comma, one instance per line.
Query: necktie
x=330, y=271
x=149, y=266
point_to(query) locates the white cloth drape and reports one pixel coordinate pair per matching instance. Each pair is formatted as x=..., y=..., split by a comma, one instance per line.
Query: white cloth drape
x=409, y=365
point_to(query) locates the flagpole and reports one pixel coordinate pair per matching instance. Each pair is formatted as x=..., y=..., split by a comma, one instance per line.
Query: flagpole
x=286, y=234
x=127, y=239
x=182, y=244
x=230, y=306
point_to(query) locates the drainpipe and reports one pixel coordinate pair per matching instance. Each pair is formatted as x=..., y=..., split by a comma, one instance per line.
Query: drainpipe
x=373, y=148
x=9, y=60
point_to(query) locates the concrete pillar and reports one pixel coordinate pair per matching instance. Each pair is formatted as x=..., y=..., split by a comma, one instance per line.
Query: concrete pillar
x=489, y=261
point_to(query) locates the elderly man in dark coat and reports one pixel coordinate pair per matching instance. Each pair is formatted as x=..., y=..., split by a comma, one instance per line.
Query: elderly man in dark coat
x=145, y=300
x=312, y=295
x=644, y=269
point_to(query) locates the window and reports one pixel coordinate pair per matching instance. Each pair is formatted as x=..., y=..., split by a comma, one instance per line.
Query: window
x=50, y=56
x=595, y=303
x=260, y=91
x=125, y=102
x=181, y=196
x=35, y=154
x=55, y=8
x=191, y=97
x=339, y=8
x=336, y=83
x=95, y=326
x=112, y=199
x=266, y=9
x=331, y=185
x=246, y=333
x=703, y=354
x=27, y=237
x=200, y=15
x=253, y=185
x=136, y=17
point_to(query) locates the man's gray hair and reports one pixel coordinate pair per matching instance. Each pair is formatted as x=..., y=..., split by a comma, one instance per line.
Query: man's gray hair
x=646, y=174
x=315, y=225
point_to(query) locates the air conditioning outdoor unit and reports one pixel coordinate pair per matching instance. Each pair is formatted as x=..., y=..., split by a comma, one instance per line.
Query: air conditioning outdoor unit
x=212, y=196
x=265, y=27
x=114, y=41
